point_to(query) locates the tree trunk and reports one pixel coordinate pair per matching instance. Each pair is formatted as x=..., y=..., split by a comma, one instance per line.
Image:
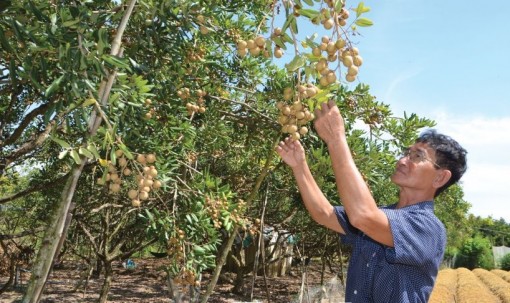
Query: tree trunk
x=54, y=232
x=44, y=259
x=64, y=234
x=12, y=272
x=219, y=265
x=224, y=254
x=107, y=284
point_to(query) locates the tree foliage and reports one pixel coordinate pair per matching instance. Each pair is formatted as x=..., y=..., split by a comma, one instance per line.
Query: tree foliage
x=505, y=262
x=172, y=83
x=475, y=252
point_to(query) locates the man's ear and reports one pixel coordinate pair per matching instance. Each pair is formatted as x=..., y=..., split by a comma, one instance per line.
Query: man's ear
x=443, y=175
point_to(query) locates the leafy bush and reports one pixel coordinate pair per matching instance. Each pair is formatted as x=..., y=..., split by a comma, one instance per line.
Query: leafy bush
x=505, y=262
x=475, y=253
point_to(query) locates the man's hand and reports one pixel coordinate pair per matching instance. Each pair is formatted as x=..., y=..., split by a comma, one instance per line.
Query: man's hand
x=291, y=152
x=329, y=123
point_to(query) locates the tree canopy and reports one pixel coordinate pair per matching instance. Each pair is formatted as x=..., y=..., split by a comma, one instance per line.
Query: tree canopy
x=133, y=124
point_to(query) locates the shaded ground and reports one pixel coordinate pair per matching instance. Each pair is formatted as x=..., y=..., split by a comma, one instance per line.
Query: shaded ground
x=146, y=283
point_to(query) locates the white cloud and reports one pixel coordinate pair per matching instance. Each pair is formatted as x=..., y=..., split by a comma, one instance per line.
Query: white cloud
x=486, y=183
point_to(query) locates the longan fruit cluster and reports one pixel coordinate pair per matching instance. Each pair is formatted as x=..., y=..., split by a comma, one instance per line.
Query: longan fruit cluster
x=293, y=117
x=342, y=17
x=258, y=45
x=186, y=277
x=175, y=248
x=214, y=207
x=255, y=227
x=352, y=60
x=329, y=18
x=237, y=212
x=255, y=47
x=195, y=54
x=199, y=107
x=331, y=47
x=201, y=21
x=152, y=111
x=327, y=21
x=349, y=56
x=278, y=52
x=146, y=179
x=115, y=174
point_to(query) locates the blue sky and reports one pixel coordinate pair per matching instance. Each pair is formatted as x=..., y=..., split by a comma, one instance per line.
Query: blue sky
x=448, y=61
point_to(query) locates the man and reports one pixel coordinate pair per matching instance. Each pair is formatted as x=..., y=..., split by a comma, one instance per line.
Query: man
x=397, y=249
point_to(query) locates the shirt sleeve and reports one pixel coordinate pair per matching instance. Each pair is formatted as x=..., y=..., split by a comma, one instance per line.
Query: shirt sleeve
x=350, y=231
x=418, y=237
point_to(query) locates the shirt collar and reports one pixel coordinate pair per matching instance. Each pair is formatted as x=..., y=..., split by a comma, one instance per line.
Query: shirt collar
x=428, y=205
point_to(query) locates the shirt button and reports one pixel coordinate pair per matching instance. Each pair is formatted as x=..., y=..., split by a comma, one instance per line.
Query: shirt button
x=355, y=292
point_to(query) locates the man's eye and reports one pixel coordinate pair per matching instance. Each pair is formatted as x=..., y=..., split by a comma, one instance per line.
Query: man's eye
x=418, y=156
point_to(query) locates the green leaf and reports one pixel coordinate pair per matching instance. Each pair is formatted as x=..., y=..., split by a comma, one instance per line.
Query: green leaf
x=228, y=225
x=38, y=14
x=117, y=62
x=338, y=5
x=85, y=152
x=296, y=63
x=198, y=250
x=3, y=41
x=70, y=23
x=53, y=86
x=293, y=26
x=102, y=40
x=279, y=42
x=88, y=102
x=62, y=154
x=92, y=148
x=126, y=151
x=361, y=9
x=364, y=22
x=113, y=157
x=309, y=2
x=309, y=13
x=62, y=143
x=287, y=38
x=76, y=157
x=286, y=25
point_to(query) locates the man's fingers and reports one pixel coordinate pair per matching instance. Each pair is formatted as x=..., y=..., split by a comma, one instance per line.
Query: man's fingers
x=321, y=110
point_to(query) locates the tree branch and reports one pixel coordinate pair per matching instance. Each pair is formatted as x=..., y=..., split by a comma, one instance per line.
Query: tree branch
x=26, y=121
x=37, y=140
x=32, y=189
x=21, y=234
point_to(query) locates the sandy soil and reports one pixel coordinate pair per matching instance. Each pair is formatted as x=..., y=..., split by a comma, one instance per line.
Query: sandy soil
x=146, y=283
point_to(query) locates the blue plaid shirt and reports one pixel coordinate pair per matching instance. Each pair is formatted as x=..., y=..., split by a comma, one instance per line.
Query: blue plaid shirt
x=404, y=273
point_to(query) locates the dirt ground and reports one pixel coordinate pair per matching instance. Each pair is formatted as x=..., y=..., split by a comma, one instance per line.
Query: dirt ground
x=146, y=283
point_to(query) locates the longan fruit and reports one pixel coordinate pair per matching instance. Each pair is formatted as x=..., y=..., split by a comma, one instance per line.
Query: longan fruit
x=126, y=172
x=150, y=158
x=157, y=184
x=141, y=159
x=241, y=44
x=114, y=187
x=278, y=53
x=328, y=24
x=260, y=41
x=132, y=194
x=143, y=195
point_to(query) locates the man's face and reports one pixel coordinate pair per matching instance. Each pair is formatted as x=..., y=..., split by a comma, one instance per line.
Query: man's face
x=417, y=168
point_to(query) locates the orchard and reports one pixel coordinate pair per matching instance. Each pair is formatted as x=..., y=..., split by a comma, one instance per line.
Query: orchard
x=136, y=126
